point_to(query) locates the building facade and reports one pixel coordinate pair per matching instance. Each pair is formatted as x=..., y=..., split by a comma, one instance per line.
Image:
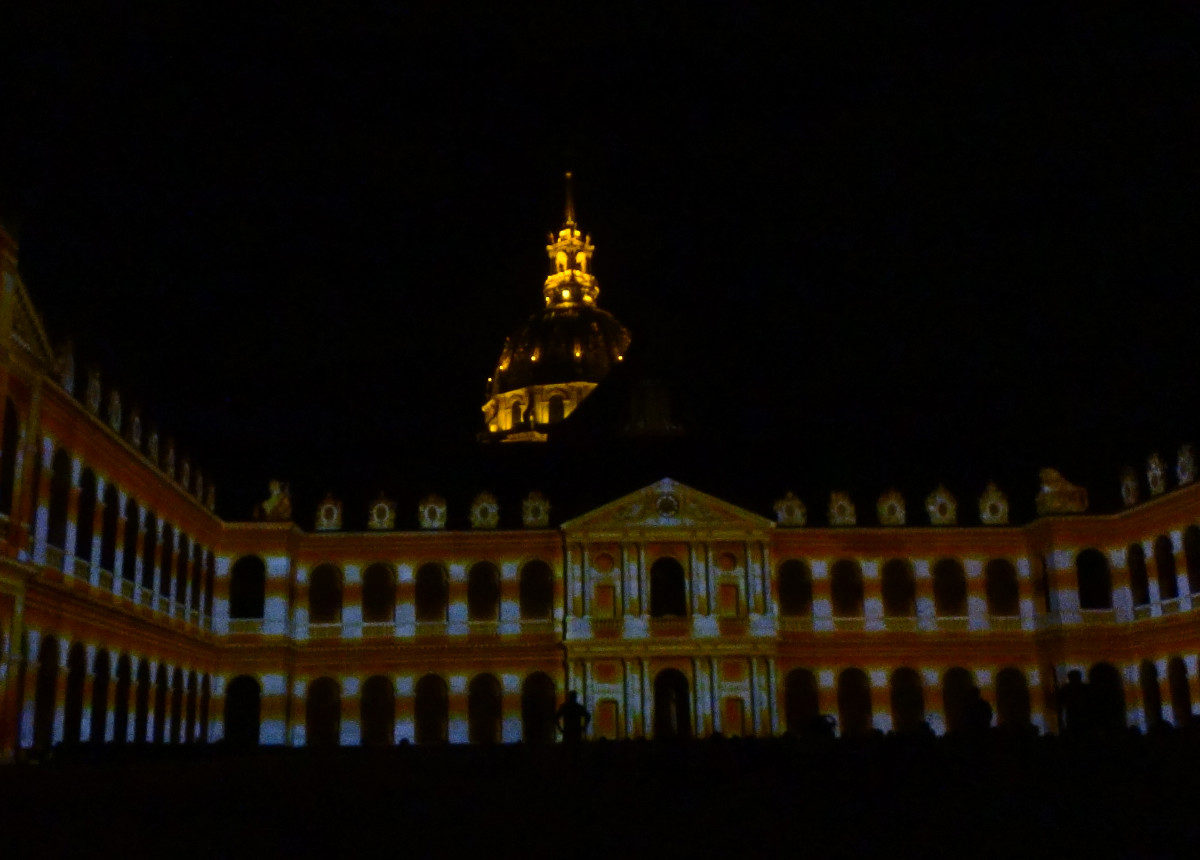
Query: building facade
x=130, y=612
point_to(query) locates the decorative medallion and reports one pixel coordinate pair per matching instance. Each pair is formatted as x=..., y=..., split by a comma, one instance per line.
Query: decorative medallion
x=1131, y=493
x=382, y=514
x=841, y=510
x=1057, y=495
x=114, y=411
x=790, y=511
x=1156, y=474
x=993, y=506
x=535, y=511
x=93, y=391
x=485, y=511
x=431, y=512
x=667, y=505
x=942, y=507
x=329, y=514
x=135, y=427
x=890, y=508
x=1185, y=465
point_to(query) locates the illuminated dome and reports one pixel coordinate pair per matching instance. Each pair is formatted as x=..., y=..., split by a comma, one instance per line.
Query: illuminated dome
x=561, y=344
x=555, y=359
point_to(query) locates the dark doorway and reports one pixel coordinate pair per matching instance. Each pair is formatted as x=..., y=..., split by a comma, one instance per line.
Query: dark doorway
x=243, y=704
x=908, y=701
x=800, y=704
x=483, y=710
x=668, y=589
x=537, y=709
x=432, y=711
x=378, y=706
x=672, y=706
x=323, y=714
x=854, y=703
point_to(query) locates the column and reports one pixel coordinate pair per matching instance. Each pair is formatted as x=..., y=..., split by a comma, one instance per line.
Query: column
x=162, y=570
x=119, y=542
x=41, y=503
x=93, y=555
x=701, y=596
x=767, y=568
x=139, y=562
x=350, y=732
x=702, y=697
x=89, y=693
x=69, y=549
x=28, y=704
x=822, y=603
x=977, y=608
x=753, y=579
x=1122, y=593
x=923, y=581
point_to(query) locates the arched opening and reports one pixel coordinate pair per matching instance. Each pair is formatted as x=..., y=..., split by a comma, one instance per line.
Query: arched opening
x=1151, y=694
x=379, y=594
x=431, y=593
x=958, y=692
x=1139, y=578
x=668, y=588
x=801, y=708
x=9, y=443
x=1164, y=564
x=854, y=702
x=1108, y=697
x=323, y=714
x=514, y=414
x=846, y=589
x=483, y=710
x=483, y=592
x=108, y=528
x=121, y=700
x=60, y=492
x=73, y=705
x=378, y=711
x=141, y=702
x=795, y=588
x=101, y=672
x=557, y=408
x=908, y=701
x=1181, y=692
x=1012, y=698
x=949, y=589
x=176, y=706
x=189, y=725
x=1095, y=581
x=538, y=698
x=1191, y=557
x=899, y=589
x=129, y=546
x=672, y=706
x=243, y=711
x=149, y=548
x=85, y=519
x=210, y=576
x=248, y=587
x=160, y=703
x=44, y=694
x=164, y=564
x=536, y=590
x=432, y=711
x=1003, y=591
x=197, y=580
x=205, y=701
x=182, y=558
x=325, y=595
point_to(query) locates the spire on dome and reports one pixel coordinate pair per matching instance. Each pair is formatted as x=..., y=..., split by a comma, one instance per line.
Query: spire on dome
x=570, y=219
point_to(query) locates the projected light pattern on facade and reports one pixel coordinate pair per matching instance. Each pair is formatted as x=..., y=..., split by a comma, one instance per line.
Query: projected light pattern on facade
x=131, y=613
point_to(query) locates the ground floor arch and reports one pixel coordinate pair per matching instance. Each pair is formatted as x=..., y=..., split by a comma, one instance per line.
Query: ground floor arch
x=432, y=710
x=243, y=711
x=538, y=700
x=323, y=714
x=483, y=710
x=377, y=716
x=672, y=705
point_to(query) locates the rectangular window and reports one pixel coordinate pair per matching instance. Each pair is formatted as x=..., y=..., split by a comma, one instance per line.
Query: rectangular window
x=727, y=600
x=733, y=716
x=605, y=603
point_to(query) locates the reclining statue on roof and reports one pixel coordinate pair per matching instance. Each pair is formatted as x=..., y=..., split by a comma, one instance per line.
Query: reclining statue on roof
x=278, y=507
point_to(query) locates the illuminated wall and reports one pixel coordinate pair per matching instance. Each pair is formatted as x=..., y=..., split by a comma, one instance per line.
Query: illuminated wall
x=129, y=612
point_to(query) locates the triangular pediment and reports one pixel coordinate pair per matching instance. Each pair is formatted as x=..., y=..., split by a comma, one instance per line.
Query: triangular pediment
x=22, y=320
x=668, y=506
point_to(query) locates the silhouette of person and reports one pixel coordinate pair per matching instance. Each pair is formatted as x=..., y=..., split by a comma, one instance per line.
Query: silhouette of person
x=572, y=718
x=1076, y=705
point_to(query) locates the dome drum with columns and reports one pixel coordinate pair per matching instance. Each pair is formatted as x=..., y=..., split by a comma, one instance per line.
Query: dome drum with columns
x=556, y=358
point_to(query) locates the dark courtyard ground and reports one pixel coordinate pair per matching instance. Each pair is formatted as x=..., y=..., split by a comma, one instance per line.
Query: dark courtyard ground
x=991, y=796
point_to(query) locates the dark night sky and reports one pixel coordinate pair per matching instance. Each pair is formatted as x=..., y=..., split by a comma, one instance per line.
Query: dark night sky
x=865, y=246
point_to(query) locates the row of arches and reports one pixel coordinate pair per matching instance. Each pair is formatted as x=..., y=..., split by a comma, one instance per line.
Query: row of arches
x=431, y=592
x=906, y=698
x=172, y=563
x=131, y=699
x=898, y=588
x=377, y=709
x=1094, y=576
